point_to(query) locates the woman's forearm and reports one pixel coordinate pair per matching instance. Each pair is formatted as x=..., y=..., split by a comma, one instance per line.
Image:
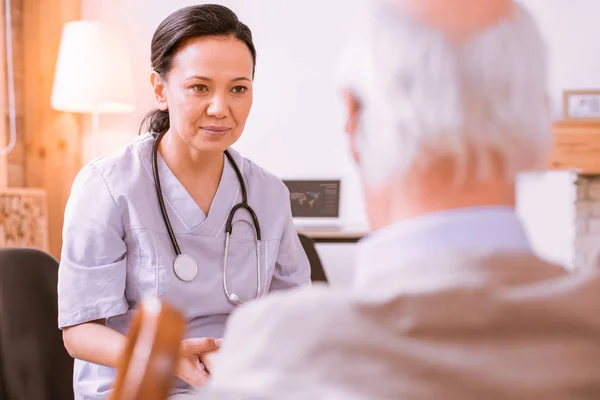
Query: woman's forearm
x=94, y=342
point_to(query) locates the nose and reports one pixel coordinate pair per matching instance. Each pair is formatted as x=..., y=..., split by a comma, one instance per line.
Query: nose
x=218, y=106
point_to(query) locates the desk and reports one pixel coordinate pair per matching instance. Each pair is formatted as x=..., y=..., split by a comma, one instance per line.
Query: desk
x=332, y=235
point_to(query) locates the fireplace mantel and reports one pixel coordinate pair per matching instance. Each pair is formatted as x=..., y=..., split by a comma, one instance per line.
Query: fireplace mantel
x=576, y=147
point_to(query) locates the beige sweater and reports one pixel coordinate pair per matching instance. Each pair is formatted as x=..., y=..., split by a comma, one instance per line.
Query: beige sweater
x=460, y=326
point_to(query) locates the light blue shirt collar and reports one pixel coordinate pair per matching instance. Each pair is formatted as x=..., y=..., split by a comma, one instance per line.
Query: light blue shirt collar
x=493, y=228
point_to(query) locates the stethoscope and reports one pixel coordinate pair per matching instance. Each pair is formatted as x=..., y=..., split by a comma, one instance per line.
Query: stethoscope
x=184, y=266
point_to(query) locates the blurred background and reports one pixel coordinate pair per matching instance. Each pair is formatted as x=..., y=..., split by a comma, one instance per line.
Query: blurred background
x=51, y=76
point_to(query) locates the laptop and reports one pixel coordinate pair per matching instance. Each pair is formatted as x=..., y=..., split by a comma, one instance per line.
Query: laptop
x=315, y=203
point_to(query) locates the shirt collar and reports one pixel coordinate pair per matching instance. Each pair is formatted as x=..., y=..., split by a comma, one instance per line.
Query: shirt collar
x=474, y=229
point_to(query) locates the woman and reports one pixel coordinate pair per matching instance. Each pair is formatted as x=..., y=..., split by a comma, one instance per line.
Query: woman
x=123, y=240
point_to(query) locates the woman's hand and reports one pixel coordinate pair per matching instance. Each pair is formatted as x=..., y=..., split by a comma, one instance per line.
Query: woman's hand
x=192, y=351
x=208, y=358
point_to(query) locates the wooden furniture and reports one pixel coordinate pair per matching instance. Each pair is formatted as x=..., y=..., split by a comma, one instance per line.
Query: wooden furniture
x=576, y=146
x=317, y=272
x=147, y=367
x=332, y=235
x=23, y=218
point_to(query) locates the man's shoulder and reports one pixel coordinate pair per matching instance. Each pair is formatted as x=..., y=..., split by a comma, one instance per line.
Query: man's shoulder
x=299, y=301
x=311, y=308
x=272, y=335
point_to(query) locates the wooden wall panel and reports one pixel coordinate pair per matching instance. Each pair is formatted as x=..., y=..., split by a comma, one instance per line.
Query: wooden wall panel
x=3, y=105
x=12, y=166
x=53, y=140
x=16, y=161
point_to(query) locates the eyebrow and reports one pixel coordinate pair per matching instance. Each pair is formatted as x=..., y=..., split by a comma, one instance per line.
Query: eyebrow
x=204, y=78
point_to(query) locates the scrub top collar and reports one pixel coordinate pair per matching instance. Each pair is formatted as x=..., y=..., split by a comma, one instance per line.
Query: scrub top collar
x=181, y=207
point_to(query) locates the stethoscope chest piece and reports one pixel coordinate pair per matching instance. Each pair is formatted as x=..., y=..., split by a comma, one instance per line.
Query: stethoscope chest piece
x=185, y=267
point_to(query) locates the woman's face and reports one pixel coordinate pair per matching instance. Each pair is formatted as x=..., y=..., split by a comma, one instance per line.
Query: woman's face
x=208, y=92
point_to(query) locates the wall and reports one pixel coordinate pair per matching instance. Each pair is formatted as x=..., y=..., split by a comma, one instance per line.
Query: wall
x=546, y=201
x=587, y=235
x=570, y=27
x=298, y=46
x=306, y=129
x=47, y=152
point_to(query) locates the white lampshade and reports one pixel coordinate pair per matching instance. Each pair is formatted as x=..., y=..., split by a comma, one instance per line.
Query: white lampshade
x=93, y=71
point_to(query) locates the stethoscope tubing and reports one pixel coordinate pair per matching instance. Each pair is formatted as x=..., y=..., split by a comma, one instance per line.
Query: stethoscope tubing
x=232, y=297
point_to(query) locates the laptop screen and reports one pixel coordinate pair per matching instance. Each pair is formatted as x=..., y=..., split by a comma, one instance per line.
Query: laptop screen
x=315, y=198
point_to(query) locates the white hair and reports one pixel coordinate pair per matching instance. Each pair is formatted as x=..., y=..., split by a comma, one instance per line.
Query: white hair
x=418, y=91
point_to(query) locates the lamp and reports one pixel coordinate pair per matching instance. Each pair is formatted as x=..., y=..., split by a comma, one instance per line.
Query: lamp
x=93, y=72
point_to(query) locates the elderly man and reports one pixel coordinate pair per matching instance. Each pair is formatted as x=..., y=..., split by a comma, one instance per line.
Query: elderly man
x=446, y=104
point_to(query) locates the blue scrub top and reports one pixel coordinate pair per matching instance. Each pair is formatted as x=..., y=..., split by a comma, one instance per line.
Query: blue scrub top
x=116, y=248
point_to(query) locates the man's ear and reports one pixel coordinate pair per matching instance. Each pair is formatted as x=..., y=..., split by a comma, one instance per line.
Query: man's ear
x=352, y=113
x=159, y=90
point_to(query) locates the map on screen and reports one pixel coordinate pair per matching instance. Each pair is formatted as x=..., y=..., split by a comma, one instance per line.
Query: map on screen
x=314, y=198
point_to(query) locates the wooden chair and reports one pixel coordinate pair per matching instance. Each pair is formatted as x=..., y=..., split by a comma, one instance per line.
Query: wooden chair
x=147, y=367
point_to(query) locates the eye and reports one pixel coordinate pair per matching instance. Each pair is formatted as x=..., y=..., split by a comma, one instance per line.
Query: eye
x=239, y=89
x=201, y=88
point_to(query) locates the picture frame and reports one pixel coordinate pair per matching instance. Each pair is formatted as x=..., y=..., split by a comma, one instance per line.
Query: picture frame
x=581, y=105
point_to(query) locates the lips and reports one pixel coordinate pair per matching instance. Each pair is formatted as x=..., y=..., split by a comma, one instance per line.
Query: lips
x=215, y=130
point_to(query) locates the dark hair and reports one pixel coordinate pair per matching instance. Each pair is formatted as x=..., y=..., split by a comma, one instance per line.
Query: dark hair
x=188, y=23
